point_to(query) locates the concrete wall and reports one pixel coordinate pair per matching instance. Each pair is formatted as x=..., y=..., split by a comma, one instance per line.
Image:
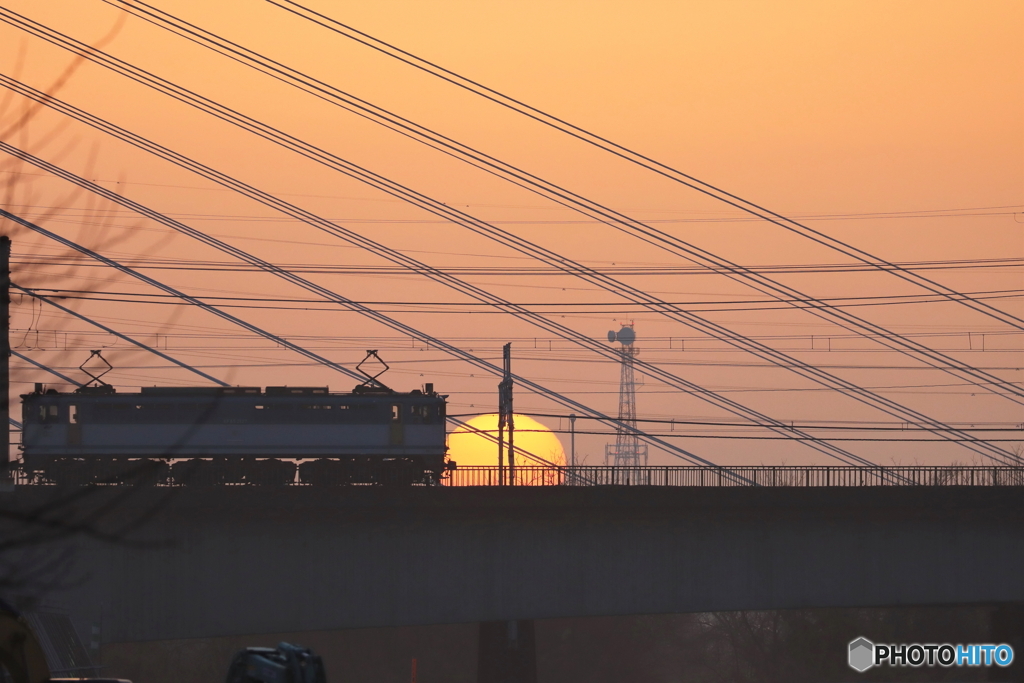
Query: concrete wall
x=238, y=561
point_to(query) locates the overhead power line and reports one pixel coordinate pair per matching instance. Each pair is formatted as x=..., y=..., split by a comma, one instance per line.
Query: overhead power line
x=536, y=459
x=985, y=449
x=803, y=437
x=545, y=345
x=119, y=335
x=352, y=374
x=524, y=246
x=728, y=404
x=43, y=367
x=170, y=263
x=761, y=305
x=705, y=216
x=556, y=193
x=170, y=291
x=519, y=177
x=743, y=437
x=327, y=294
x=630, y=155
x=819, y=426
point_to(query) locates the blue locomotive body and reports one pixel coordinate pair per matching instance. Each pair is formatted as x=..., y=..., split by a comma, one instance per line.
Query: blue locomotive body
x=237, y=434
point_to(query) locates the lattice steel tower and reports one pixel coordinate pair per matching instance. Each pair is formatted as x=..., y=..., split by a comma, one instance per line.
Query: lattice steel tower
x=627, y=451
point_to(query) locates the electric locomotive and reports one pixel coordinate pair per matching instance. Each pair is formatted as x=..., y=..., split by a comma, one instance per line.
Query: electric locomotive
x=236, y=435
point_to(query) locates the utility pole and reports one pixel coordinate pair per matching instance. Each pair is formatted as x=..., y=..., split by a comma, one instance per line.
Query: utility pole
x=506, y=419
x=5, y=352
x=572, y=445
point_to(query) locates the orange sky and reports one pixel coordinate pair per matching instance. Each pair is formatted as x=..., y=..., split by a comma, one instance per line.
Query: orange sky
x=810, y=108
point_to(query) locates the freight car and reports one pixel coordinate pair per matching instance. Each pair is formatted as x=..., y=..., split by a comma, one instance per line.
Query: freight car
x=235, y=435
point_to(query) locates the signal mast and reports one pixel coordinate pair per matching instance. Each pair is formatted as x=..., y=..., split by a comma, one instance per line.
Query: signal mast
x=627, y=451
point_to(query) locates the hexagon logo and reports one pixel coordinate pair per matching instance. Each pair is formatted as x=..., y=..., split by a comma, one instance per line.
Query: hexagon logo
x=862, y=654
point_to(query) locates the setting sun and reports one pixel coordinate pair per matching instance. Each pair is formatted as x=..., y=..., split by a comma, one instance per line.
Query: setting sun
x=468, y=448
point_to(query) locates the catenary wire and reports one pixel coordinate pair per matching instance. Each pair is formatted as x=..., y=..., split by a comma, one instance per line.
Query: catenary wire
x=977, y=211
x=808, y=371
x=331, y=296
x=172, y=263
x=630, y=155
x=192, y=301
x=316, y=221
x=887, y=405
x=882, y=300
x=560, y=195
x=732, y=406
x=536, y=459
x=888, y=338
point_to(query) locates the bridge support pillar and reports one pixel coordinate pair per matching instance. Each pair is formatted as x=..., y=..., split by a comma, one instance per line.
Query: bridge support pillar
x=507, y=652
x=1007, y=626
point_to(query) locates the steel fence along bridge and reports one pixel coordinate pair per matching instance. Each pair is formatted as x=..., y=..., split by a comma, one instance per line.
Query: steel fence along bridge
x=803, y=476
x=810, y=476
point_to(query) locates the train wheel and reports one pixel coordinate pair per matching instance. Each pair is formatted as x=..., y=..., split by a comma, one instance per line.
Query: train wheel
x=363, y=471
x=136, y=471
x=68, y=471
x=400, y=472
x=273, y=472
x=233, y=471
x=325, y=472
x=194, y=472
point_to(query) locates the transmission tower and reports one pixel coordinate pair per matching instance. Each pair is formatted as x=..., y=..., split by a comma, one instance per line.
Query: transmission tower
x=627, y=451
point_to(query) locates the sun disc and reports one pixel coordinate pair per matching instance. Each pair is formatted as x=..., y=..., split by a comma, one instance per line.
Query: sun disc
x=469, y=448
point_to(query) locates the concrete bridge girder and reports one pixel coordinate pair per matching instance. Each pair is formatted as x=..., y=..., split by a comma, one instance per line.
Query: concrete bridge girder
x=248, y=561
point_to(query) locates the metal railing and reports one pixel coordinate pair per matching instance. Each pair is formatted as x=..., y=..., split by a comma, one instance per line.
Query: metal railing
x=808, y=476
x=695, y=476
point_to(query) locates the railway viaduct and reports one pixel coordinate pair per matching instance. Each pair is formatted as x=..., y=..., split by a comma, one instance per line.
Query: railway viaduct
x=243, y=561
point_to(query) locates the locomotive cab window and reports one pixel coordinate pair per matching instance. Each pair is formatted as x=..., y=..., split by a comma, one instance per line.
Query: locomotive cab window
x=419, y=414
x=72, y=414
x=48, y=413
x=396, y=413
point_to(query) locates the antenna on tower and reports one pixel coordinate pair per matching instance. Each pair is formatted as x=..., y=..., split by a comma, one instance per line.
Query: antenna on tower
x=627, y=451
